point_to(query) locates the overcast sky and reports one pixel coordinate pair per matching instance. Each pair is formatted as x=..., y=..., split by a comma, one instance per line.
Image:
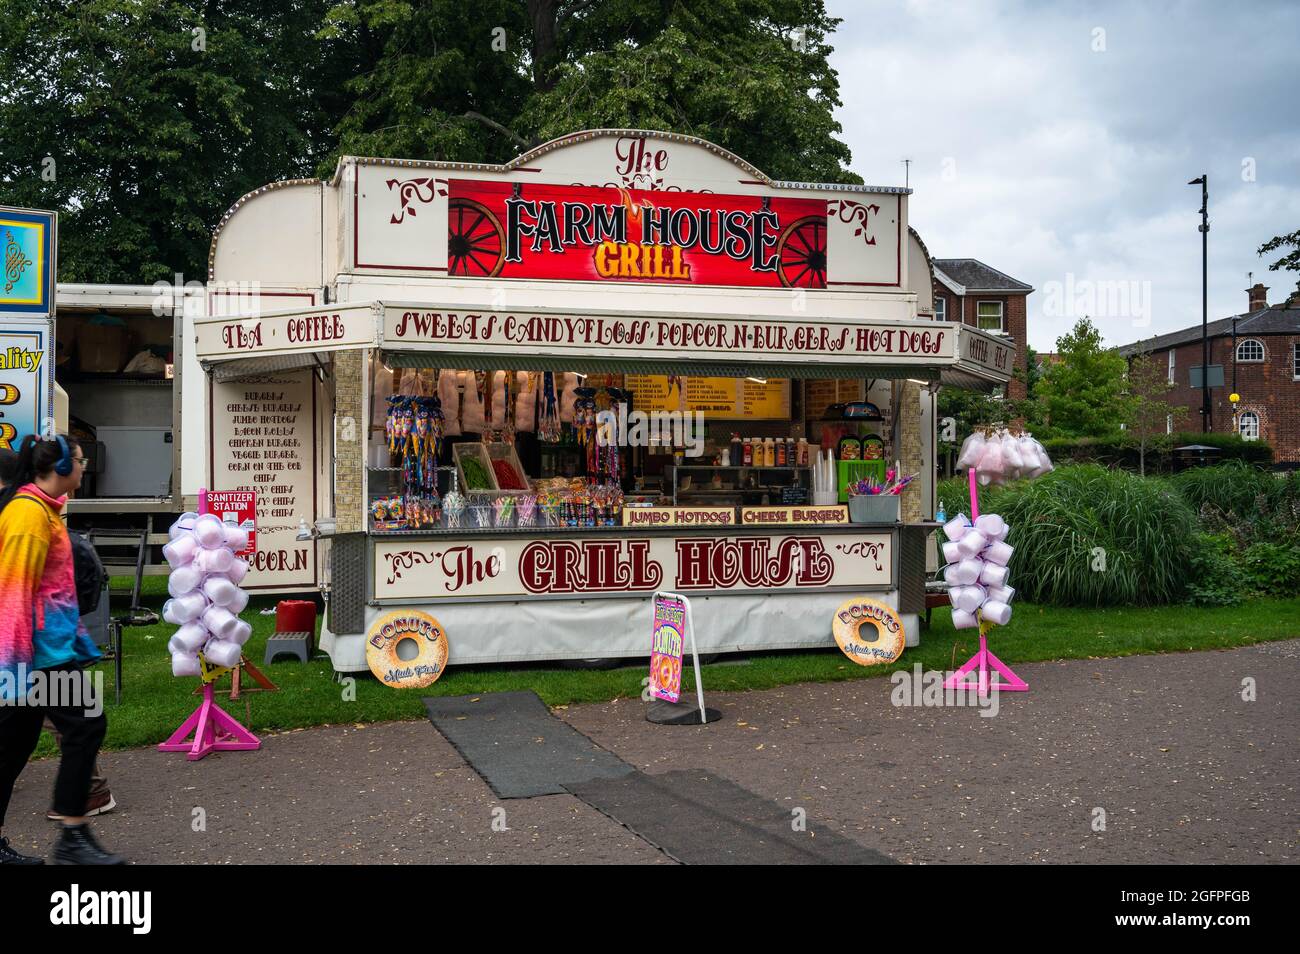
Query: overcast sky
x=1060, y=154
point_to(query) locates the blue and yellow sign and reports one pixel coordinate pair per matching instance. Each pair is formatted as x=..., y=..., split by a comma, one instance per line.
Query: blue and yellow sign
x=28, y=244
x=26, y=378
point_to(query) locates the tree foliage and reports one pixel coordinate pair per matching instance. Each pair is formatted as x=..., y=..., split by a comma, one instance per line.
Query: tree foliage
x=1084, y=394
x=1148, y=410
x=752, y=76
x=1288, y=262
x=968, y=410
x=483, y=82
x=142, y=121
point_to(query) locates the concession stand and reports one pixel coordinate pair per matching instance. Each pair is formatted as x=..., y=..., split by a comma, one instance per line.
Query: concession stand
x=523, y=398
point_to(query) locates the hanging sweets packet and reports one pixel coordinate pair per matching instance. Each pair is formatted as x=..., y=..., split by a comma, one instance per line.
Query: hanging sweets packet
x=568, y=397
x=1011, y=455
x=471, y=419
x=449, y=397
x=971, y=451
x=548, y=428
x=526, y=402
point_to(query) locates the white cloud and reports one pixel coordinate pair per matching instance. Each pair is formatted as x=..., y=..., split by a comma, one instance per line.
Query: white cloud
x=1046, y=159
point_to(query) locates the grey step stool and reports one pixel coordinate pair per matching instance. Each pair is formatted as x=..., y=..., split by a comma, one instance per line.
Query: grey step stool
x=298, y=644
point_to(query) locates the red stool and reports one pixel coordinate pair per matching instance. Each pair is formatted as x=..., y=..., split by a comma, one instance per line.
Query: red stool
x=295, y=630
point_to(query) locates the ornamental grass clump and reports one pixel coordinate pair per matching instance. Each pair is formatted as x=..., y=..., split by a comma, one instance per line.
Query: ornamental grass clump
x=1088, y=536
x=1232, y=487
x=1254, y=506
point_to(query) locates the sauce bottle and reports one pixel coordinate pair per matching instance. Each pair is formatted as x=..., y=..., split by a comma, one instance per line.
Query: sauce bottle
x=747, y=453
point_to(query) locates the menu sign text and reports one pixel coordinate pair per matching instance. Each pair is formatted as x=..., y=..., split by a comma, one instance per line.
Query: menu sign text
x=263, y=440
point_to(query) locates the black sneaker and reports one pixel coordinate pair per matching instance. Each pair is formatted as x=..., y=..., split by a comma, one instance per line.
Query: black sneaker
x=10, y=857
x=77, y=846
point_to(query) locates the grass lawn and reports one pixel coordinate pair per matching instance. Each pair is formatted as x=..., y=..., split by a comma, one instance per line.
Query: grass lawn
x=154, y=703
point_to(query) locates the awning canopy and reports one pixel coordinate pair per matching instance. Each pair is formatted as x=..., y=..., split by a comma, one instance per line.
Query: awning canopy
x=511, y=362
x=422, y=335
x=239, y=368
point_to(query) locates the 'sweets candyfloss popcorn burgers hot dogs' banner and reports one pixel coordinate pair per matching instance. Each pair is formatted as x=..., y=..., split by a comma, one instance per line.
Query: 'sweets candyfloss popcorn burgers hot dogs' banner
x=586, y=233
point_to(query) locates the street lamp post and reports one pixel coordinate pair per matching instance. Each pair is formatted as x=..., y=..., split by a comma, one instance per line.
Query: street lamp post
x=1234, y=354
x=1204, y=183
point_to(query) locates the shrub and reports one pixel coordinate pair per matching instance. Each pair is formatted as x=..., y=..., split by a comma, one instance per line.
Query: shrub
x=1273, y=568
x=1231, y=446
x=1231, y=487
x=1121, y=450
x=1214, y=576
x=1255, y=505
x=1144, y=530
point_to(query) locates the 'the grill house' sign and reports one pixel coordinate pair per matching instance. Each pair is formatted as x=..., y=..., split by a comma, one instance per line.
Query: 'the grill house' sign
x=514, y=567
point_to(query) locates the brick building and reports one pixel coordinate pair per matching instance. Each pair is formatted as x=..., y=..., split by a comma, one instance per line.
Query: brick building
x=1261, y=347
x=969, y=291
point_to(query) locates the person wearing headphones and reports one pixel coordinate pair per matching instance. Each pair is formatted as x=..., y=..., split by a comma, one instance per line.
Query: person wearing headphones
x=41, y=635
x=8, y=467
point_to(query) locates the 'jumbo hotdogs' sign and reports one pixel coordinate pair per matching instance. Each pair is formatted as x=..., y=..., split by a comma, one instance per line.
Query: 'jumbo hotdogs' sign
x=514, y=567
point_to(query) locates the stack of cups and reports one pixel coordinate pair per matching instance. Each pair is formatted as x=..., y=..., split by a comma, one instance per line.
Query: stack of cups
x=977, y=556
x=206, y=596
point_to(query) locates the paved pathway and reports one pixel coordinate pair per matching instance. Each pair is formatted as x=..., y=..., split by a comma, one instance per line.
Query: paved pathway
x=1185, y=770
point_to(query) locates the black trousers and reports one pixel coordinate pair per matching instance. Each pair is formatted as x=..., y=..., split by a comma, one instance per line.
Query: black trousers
x=20, y=730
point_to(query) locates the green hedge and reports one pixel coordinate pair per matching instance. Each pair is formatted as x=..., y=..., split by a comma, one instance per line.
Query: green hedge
x=1232, y=487
x=1086, y=535
x=1122, y=450
x=1089, y=536
x=1208, y=535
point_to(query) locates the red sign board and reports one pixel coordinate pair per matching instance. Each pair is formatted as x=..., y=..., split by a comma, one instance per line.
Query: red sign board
x=237, y=507
x=587, y=233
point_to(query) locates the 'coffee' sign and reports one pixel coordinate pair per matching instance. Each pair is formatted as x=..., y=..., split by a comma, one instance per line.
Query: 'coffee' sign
x=348, y=326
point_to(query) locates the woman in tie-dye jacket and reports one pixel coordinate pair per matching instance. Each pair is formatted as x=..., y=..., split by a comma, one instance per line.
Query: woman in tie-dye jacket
x=43, y=645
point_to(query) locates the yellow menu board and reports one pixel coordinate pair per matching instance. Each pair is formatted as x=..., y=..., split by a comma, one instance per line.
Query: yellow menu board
x=723, y=398
x=653, y=392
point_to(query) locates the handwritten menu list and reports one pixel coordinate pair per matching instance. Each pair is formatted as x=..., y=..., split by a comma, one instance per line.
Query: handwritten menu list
x=265, y=448
x=263, y=440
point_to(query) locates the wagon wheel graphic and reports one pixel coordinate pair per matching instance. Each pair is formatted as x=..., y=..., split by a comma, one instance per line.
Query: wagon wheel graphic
x=801, y=253
x=475, y=240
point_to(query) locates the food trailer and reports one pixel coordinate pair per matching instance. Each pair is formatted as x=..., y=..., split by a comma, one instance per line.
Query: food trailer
x=522, y=398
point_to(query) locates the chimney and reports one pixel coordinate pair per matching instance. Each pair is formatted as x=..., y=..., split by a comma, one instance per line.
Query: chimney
x=1258, y=296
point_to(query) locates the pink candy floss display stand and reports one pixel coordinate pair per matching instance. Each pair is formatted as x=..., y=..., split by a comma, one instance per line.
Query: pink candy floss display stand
x=983, y=663
x=213, y=729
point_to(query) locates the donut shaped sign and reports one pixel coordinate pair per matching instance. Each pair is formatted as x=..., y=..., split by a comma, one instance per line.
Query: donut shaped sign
x=868, y=631
x=407, y=667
